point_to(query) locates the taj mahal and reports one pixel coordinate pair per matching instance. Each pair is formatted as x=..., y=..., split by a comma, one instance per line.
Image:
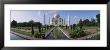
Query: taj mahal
x=56, y=20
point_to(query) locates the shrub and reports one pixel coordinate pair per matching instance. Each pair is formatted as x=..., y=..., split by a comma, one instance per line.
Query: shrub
x=78, y=32
x=39, y=35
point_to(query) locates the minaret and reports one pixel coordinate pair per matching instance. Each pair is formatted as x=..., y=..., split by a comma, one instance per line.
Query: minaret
x=68, y=21
x=44, y=19
x=49, y=20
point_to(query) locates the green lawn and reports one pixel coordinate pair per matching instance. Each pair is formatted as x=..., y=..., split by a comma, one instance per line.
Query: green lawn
x=22, y=32
x=68, y=30
x=92, y=29
x=27, y=30
x=56, y=32
x=87, y=31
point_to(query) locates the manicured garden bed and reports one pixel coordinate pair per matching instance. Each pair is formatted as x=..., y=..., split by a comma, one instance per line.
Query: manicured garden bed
x=77, y=32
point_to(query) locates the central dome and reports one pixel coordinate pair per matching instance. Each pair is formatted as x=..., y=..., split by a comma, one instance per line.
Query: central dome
x=56, y=16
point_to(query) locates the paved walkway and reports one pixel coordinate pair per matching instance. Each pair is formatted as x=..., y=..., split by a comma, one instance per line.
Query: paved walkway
x=65, y=32
x=47, y=33
x=15, y=37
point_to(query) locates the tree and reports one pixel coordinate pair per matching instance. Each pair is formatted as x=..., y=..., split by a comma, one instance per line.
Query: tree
x=14, y=23
x=98, y=19
x=24, y=24
x=71, y=27
x=39, y=25
x=86, y=22
x=32, y=29
x=93, y=22
x=66, y=26
x=74, y=25
x=30, y=23
x=80, y=23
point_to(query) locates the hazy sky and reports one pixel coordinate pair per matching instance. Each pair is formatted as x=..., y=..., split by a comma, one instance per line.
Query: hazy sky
x=37, y=15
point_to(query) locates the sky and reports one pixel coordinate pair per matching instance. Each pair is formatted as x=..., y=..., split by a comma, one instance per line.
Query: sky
x=38, y=15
